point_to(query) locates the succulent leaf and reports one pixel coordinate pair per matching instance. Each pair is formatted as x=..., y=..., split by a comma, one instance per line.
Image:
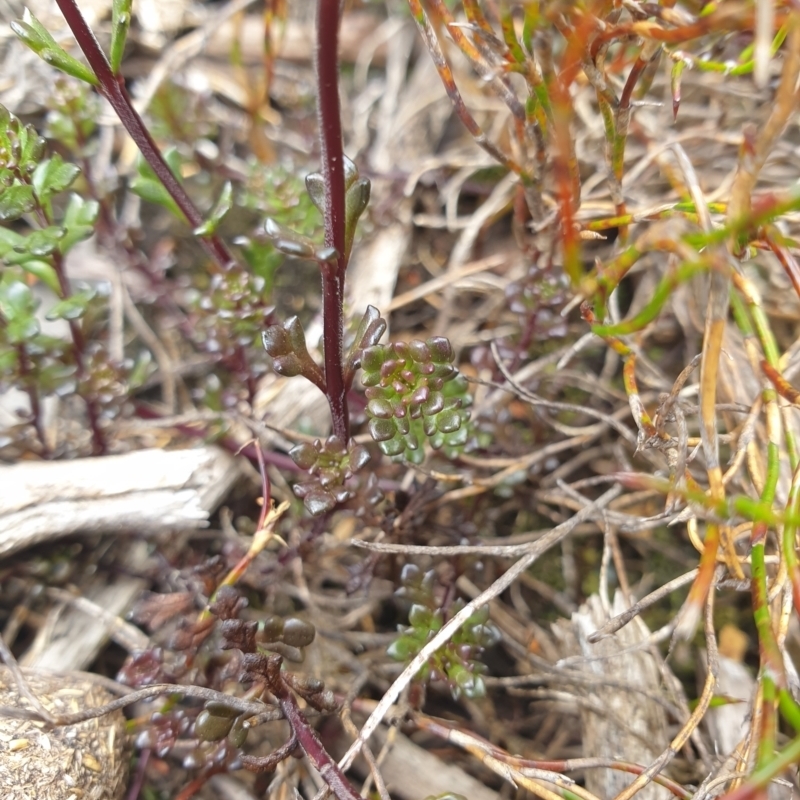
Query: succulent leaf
x=407, y=400
x=330, y=464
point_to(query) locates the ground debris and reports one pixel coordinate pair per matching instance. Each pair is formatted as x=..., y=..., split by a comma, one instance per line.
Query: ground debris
x=86, y=761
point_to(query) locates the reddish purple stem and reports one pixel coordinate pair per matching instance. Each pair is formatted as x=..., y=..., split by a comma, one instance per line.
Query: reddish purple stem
x=306, y=736
x=328, y=13
x=112, y=87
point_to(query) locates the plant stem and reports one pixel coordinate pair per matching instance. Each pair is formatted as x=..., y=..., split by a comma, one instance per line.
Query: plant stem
x=78, y=343
x=306, y=736
x=33, y=396
x=112, y=87
x=333, y=176
x=79, y=354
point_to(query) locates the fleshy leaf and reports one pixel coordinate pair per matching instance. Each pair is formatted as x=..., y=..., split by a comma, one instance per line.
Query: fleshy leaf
x=288, y=242
x=316, y=190
x=73, y=307
x=15, y=201
x=150, y=188
x=42, y=242
x=79, y=220
x=120, y=24
x=44, y=272
x=18, y=307
x=53, y=176
x=221, y=208
x=329, y=464
x=38, y=38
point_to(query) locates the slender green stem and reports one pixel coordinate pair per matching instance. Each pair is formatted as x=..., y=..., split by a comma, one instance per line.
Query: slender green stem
x=661, y=294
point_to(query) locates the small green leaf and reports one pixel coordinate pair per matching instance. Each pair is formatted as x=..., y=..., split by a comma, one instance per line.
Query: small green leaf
x=392, y=447
x=372, y=360
x=326, y=255
x=297, y=336
x=305, y=455
x=79, y=220
x=350, y=172
x=276, y=341
x=289, y=366
x=120, y=23
x=149, y=187
x=44, y=272
x=73, y=307
x=31, y=147
x=153, y=191
x=38, y=38
x=40, y=243
x=22, y=330
x=9, y=240
x=356, y=199
x=448, y=421
x=15, y=297
x=294, y=248
x=8, y=360
x=479, y=617
x=211, y=728
x=420, y=617
x=403, y=649
x=221, y=208
x=21, y=149
x=18, y=307
x=53, y=176
x=288, y=242
x=15, y=201
x=141, y=370
x=370, y=329
x=383, y=431
x=55, y=377
x=315, y=185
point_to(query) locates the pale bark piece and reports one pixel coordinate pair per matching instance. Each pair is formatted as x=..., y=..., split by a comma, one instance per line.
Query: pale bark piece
x=290, y=404
x=729, y=723
x=617, y=723
x=149, y=491
x=412, y=773
x=76, y=636
x=88, y=760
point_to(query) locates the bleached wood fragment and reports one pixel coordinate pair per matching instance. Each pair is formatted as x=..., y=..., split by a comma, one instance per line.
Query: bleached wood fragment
x=149, y=491
x=411, y=772
x=618, y=720
x=72, y=637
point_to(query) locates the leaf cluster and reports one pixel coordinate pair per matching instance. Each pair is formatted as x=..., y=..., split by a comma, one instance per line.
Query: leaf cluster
x=331, y=464
x=458, y=662
x=415, y=394
x=36, y=236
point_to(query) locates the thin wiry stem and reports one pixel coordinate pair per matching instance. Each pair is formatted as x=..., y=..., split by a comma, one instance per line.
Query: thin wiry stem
x=333, y=274
x=112, y=87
